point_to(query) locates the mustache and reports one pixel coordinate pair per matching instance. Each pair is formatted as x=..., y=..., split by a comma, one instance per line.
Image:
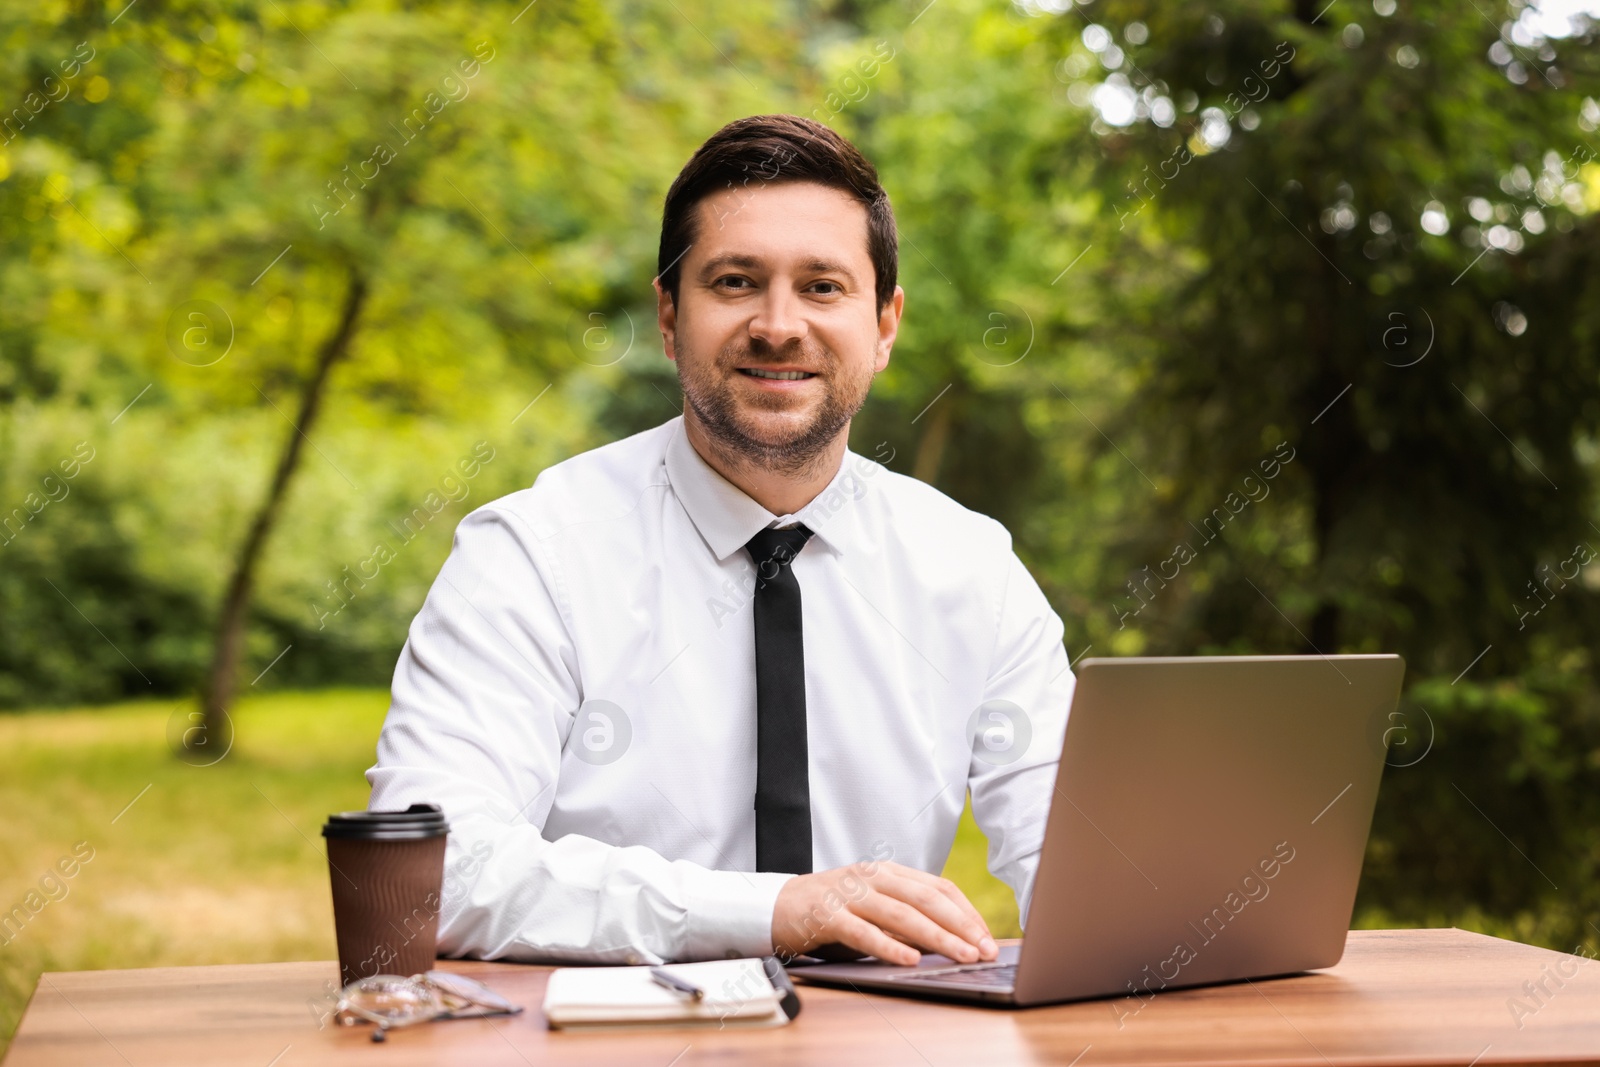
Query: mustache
x=813, y=354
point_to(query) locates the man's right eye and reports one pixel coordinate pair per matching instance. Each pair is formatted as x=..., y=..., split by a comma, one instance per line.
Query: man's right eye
x=732, y=281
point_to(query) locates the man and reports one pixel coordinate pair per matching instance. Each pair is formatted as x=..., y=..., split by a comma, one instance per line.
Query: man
x=721, y=688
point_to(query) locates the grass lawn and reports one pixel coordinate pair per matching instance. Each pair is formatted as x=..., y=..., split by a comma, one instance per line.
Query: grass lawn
x=219, y=864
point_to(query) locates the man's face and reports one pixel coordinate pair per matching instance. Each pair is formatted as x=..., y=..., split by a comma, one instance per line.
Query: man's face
x=776, y=331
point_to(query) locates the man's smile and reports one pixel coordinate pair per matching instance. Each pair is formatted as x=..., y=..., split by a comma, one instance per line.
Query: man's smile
x=776, y=375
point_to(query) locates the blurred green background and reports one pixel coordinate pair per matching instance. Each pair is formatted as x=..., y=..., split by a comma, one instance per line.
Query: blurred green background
x=1264, y=326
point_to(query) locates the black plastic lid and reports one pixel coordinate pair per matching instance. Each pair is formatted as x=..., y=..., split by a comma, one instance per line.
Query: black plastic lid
x=416, y=822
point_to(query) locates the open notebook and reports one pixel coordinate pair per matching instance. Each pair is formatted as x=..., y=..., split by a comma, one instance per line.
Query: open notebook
x=739, y=993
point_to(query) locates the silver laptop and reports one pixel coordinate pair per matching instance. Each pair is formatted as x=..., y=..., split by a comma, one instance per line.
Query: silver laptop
x=1208, y=825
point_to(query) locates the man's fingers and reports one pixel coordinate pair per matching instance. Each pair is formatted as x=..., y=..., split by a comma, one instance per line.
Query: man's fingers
x=957, y=916
x=953, y=892
x=900, y=919
x=950, y=890
x=853, y=930
x=919, y=888
x=902, y=909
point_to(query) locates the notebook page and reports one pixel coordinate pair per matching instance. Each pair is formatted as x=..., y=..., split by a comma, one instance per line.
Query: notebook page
x=735, y=989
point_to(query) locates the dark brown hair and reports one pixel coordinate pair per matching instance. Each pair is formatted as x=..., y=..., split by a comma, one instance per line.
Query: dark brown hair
x=777, y=148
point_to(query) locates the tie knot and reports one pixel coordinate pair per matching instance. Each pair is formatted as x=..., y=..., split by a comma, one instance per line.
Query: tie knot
x=771, y=548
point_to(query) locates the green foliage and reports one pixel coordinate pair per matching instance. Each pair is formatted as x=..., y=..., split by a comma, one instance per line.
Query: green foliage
x=1293, y=281
x=1113, y=333
x=183, y=236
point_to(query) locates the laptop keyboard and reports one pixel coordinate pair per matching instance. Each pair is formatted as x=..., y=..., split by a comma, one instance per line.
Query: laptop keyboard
x=980, y=975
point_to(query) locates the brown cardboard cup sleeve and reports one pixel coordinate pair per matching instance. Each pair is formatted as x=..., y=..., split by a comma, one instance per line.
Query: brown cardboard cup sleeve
x=386, y=870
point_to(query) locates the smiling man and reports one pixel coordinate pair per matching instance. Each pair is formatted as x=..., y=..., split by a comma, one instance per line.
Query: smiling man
x=723, y=688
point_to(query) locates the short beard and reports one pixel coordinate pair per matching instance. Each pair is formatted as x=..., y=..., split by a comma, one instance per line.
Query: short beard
x=718, y=413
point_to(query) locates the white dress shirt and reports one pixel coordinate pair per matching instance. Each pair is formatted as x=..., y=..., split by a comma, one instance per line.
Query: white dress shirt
x=578, y=692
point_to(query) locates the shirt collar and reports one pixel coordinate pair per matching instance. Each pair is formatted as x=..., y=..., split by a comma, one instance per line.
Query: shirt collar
x=728, y=518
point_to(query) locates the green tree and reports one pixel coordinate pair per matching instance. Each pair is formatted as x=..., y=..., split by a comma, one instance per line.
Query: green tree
x=377, y=216
x=1379, y=251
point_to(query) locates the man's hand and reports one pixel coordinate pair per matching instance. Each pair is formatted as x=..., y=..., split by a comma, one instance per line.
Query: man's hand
x=882, y=909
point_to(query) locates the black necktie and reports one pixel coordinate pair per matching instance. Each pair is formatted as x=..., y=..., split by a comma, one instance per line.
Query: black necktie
x=783, y=790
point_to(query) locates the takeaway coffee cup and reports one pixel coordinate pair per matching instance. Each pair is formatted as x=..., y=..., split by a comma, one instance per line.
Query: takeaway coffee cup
x=387, y=870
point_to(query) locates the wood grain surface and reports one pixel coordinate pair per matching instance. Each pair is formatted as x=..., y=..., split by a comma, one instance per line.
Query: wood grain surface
x=1398, y=997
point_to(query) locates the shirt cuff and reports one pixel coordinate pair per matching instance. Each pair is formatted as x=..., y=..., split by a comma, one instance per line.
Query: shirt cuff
x=730, y=913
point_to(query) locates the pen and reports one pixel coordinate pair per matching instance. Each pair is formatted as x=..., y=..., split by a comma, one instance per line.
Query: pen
x=664, y=977
x=789, y=1000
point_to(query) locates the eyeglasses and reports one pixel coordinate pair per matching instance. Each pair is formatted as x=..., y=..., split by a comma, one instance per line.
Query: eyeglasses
x=389, y=1000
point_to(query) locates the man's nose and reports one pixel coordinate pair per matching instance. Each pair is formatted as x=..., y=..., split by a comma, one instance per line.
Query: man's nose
x=779, y=319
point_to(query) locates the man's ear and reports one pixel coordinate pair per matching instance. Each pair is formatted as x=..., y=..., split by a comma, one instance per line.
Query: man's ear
x=666, y=320
x=889, y=328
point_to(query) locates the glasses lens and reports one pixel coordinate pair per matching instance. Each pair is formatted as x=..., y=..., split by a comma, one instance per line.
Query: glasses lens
x=390, y=1000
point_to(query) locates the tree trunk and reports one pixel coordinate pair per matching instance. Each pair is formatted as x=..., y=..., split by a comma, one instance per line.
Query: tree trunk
x=1331, y=449
x=218, y=691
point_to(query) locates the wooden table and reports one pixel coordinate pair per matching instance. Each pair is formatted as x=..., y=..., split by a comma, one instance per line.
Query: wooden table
x=1398, y=997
